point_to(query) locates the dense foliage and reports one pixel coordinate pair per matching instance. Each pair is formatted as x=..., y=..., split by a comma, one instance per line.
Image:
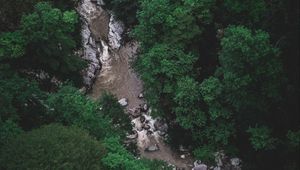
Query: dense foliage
x=224, y=74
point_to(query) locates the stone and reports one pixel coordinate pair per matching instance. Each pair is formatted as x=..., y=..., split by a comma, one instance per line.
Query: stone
x=200, y=167
x=142, y=119
x=182, y=156
x=219, y=157
x=152, y=148
x=123, y=102
x=141, y=95
x=133, y=136
x=235, y=162
x=183, y=149
x=145, y=108
x=139, y=129
x=149, y=132
x=197, y=162
x=161, y=133
x=160, y=125
x=217, y=168
x=83, y=90
x=135, y=112
x=146, y=126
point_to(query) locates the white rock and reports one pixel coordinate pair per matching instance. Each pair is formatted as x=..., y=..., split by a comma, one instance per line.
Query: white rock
x=219, y=157
x=183, y=149
x=235, y=162
x=197, y=162
x=152, y=148
x=133, y=136
x=116, y=28
x=200, y=167
x=141, y=95
x=123, y=102
x=217, y=168
x=182, y=156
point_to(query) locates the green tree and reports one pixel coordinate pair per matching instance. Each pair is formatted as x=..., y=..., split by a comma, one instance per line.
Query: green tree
x=70, y=107
x=12, y=45
x=189, y=113
x=21, y=100
x=160, y=69
x=8, y=130
x=49, y=42
x=110, y=106
x=294, y=139
x=244, y=88
x=260, y=138
x=165, y=21
x=52, y=147
x=251, y=70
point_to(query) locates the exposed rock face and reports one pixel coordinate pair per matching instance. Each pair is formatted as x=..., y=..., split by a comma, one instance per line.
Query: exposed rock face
x=91, y=50
x=115, y=33
x=98, y=30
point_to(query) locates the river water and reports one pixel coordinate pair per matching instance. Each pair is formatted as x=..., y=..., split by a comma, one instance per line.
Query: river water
x=102, y=47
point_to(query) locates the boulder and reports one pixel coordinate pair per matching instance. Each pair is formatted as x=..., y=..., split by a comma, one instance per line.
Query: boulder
x=197, y=162
x=219, y=158
x=160, y=125
x=146, y=126
x=235, y=162
x=145, y=108
x=183, y=149
x=142, y=119
x=133, y=136
x=152, y=148
x=161, y=133
x=200, y=167
x=123, y=102
x=139, y=128
x=149, y=132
